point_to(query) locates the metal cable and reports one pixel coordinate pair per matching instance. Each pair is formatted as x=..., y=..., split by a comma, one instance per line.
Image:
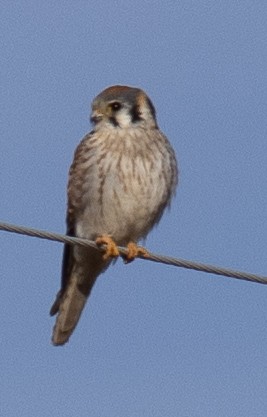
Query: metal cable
x=151, y=256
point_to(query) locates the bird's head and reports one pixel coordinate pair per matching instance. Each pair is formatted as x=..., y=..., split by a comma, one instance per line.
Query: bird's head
x=123, y=107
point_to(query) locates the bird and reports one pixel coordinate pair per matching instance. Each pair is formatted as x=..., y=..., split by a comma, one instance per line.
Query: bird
x=122, y=178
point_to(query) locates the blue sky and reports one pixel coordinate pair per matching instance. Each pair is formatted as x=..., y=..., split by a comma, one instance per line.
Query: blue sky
x=153, y=340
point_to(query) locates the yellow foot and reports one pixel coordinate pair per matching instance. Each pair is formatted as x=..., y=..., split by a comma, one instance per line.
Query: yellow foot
x=133, y=252
x=111, y=250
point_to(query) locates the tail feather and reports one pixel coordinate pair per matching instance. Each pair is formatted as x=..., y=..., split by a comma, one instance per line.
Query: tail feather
x=69, y=308
x=78, y=278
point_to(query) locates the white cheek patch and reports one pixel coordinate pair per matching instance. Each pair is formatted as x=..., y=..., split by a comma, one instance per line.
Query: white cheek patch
x=123, y=118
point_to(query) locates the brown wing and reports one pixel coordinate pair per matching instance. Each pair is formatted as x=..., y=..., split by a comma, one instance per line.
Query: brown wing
x=74, y=185
x=77, y=278
x=67, y=262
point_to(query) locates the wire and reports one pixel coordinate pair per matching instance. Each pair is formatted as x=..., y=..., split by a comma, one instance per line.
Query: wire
x=151, y=256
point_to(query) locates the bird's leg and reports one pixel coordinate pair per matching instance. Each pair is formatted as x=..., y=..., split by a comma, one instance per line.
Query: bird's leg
x=133, y=252
x=111, y=249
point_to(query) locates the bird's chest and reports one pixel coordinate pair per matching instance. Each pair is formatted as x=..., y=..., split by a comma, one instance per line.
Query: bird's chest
x=121, y=188
x=126, y=181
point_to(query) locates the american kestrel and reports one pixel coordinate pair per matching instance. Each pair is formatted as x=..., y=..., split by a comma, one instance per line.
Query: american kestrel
x=123, y=176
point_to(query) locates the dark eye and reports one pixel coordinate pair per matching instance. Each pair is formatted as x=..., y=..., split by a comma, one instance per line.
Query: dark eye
x=115, y=106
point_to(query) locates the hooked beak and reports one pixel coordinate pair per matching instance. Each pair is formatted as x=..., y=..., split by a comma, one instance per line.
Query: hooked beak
x=96, y=116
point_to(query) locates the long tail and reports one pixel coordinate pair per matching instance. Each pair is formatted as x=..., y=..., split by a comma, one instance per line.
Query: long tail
x=69, y=307
x=78, y=278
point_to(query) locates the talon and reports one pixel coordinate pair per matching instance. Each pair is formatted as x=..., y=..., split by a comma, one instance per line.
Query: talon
x=111, y=249
x=133, y=252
